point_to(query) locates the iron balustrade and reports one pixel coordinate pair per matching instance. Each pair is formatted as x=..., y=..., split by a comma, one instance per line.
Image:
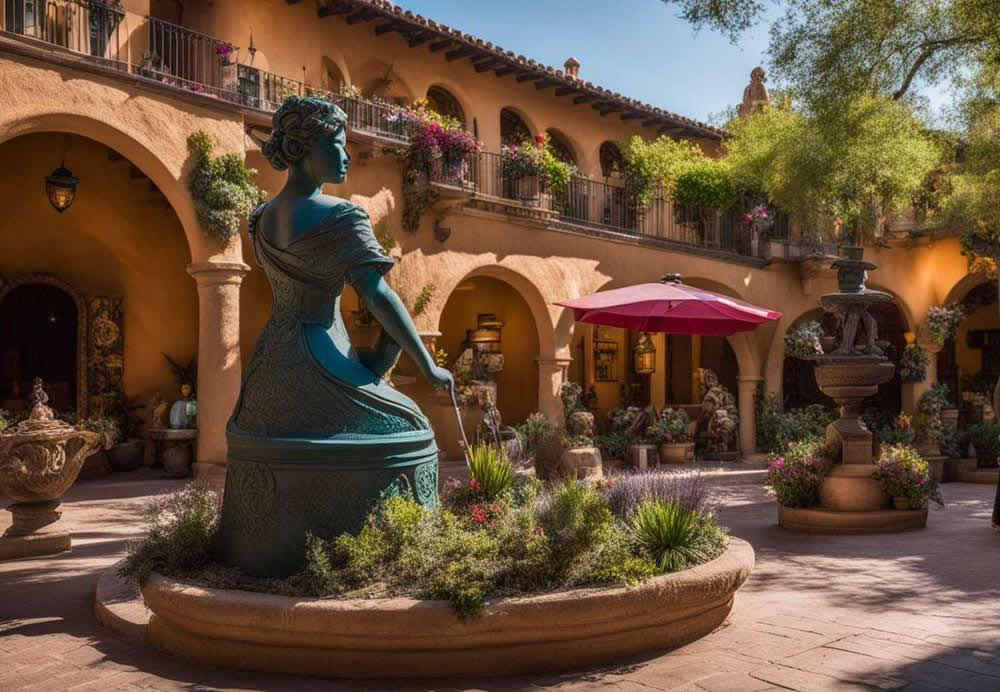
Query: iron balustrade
x=85, y=27
x=189, y=57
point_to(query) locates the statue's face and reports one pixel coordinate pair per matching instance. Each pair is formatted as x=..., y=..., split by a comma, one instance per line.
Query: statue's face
x=185, y=390
x=329, y=157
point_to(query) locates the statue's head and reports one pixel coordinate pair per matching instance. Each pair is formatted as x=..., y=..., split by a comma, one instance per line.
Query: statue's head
x=757, y=74
x=37, y=384
x=186, y=390
x=311, y=133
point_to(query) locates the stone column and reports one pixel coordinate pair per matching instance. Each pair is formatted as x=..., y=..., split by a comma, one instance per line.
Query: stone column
x=746, y=402
x=551, y=375
x=219, y=370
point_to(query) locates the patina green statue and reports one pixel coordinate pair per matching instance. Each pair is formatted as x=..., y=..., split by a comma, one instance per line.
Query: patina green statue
x=318, y=434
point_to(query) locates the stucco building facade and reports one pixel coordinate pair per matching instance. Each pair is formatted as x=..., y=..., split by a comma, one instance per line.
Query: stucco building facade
x=114, y=93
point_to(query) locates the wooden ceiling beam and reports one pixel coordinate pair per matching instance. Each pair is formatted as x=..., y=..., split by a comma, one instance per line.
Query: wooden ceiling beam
x=419, y=37
x=565, y=91
x=386, y=28
x=504, y=71
x=365, y=15
x=485, y=65
x=462, y=52
x=334, y=8
x=440, y=45
x=544, y=84
x=632, y=116
x=526, y=76
x=583, y=98
x=651, y=122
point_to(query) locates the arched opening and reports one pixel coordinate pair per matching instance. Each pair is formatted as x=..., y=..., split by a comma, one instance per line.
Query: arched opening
x=611, y=159
x=39, y=337
x=969, y=362
x=442, y=102
x=799, y=388
x=561, y=147
x=513, y=129
x=517, y=380
x=121, y=249
x=333, y=77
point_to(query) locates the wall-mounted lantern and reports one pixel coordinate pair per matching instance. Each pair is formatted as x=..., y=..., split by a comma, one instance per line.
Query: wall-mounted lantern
x=486, y=341
x=645, y=355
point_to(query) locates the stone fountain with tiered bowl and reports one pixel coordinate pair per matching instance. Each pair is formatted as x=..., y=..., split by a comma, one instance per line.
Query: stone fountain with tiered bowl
x=850, y=370
x=39, y=461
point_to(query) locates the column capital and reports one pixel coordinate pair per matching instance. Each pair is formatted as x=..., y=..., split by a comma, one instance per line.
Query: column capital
x=553, y=362
x=218, y=273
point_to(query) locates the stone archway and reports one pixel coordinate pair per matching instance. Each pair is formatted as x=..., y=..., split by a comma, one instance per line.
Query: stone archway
x=6, y=289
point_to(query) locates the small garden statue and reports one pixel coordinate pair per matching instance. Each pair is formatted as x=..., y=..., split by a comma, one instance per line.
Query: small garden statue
x=161, y=412
x=718, y=413
x=37, y=396
x=579, y=421
x=317, y=434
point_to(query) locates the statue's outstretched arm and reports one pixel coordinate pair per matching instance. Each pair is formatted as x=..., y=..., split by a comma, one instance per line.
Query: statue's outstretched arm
x=390, y=312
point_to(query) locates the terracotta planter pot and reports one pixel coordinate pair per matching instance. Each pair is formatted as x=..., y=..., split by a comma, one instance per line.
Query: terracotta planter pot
x=127, y=456
x=905, y=504
x=676, y=452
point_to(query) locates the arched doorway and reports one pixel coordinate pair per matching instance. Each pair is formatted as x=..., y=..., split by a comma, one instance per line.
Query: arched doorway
x=799, y=386
x=513, y=129
x=40, y=336
x=517, y=382
x=969, y=362
x=443, y=102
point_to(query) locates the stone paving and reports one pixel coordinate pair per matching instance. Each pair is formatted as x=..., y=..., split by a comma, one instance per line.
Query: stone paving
x=915, y=611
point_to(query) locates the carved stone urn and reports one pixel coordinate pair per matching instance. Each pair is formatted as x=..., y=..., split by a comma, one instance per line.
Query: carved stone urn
x=39, y=461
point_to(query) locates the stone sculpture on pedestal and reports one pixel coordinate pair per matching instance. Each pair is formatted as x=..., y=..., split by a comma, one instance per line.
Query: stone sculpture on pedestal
x=318, y=434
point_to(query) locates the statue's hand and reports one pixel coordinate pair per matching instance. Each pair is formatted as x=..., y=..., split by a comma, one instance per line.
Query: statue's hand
x=440, y=378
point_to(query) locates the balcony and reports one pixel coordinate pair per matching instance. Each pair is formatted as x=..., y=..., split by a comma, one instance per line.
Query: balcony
x=177, y=58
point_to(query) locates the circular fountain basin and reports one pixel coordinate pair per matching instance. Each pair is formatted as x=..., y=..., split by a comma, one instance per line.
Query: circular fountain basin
x=407, y=638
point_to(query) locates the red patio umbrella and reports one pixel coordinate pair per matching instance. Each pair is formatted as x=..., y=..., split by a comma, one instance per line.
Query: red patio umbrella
x=669, y=307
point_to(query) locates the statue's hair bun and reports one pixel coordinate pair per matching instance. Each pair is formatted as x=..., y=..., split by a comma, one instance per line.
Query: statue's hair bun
x=296, y=125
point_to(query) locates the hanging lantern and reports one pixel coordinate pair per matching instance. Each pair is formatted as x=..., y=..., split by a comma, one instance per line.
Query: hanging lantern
x=60, y=186
x=645, y=355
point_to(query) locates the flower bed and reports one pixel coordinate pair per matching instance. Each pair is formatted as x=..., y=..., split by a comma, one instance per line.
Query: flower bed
x=506, y=576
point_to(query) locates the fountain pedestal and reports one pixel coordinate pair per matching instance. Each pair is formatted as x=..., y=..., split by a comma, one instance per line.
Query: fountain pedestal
x=39, y=460
x=851, y=499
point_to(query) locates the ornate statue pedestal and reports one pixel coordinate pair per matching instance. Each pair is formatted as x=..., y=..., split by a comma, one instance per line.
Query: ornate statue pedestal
x=39, y=460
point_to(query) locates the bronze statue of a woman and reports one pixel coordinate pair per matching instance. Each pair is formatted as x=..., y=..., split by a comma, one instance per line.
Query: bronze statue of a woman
x=318, y=434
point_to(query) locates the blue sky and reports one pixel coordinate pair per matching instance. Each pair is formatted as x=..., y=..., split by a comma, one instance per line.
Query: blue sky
x=637, y=47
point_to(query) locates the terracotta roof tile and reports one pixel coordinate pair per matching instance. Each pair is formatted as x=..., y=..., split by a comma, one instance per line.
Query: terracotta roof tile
x=397, y=13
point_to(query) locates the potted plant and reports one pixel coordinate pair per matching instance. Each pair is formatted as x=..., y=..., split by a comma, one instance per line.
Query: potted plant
x=127, y=452
x=905, y=476
x=985, y=437
x=98, y=464
x=533, y=168
x=913, y=364
x=805, y=341
x=943, y=323
x=671, y=431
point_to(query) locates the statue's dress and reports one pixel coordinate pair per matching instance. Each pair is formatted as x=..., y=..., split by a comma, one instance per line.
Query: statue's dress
x=316, y=437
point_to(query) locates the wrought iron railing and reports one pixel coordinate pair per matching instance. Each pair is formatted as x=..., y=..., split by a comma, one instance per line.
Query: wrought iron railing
x=85, y=27
x=190, y=57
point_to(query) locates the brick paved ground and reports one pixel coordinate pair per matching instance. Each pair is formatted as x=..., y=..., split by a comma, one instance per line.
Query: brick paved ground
x=917, y=611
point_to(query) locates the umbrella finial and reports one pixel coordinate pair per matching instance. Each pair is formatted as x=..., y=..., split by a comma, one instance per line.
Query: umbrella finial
x=671, y=279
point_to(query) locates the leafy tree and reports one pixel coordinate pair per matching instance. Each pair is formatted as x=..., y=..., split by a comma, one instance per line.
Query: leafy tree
x=649, y=165
x=860, y=167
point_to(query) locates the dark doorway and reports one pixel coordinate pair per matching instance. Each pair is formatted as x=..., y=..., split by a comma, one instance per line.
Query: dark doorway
x=38, y=338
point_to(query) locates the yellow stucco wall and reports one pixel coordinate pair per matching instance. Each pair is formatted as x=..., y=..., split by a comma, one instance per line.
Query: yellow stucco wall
x=119, y=239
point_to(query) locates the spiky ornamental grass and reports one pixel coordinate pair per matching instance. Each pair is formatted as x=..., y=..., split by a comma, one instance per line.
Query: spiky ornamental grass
x=674, y=537
x=490, y=467
x=222, y=187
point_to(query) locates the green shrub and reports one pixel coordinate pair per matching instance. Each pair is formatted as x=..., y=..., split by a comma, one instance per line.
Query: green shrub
x=985, y=437
x=676, y=538
x=613, y=445
x=179, y=536
x=549, y=461
x=776, y=431
x=222, y=187
x=489, y=467
x=532, y=430
x=900, y=432
x=795, y=477
x=574, y=517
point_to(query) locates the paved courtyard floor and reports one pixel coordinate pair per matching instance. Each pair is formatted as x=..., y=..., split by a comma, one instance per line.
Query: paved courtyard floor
x=915, y=611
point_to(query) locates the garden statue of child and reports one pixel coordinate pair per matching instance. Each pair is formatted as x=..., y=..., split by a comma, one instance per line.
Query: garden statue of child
x=318, y=434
